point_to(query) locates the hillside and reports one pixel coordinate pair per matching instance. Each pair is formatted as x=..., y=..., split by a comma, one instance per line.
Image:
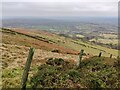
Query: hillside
x=43, y=39
x=15, y=47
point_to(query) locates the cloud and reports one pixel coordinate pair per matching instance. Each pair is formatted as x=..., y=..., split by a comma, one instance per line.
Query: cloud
x=46, y=9
x=61, y=0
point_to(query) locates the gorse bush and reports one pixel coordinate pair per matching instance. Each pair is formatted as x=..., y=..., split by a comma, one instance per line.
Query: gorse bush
x=55, y=73
x=74, y=75
x=55, y=61
x=93, y=73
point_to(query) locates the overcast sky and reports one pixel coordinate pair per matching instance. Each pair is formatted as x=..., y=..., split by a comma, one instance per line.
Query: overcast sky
x=55, y=8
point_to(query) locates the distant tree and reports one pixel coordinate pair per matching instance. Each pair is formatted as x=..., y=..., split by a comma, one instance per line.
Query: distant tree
x=96, y=39
x=111, y=44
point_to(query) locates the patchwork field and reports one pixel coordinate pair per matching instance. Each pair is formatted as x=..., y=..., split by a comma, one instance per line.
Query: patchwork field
x=107, y=39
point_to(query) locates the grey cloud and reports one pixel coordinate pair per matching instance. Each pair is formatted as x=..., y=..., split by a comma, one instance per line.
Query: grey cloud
x=40, y=9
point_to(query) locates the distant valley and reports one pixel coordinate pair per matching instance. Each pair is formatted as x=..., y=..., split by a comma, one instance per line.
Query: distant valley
x=91, y=30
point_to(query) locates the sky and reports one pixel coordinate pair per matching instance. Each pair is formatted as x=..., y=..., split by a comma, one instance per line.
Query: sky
x=59, y=8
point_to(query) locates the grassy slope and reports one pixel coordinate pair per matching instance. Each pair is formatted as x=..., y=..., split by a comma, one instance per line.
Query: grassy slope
x=92, y=49
x=15, y=49
x=67, y=43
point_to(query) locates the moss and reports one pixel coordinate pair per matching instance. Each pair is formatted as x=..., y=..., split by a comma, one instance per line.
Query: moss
x=11, y=73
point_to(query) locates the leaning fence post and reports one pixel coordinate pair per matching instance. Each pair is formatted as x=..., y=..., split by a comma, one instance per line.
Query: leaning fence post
x=26, y=69
x=80, y=58
x=100, y=54
x=110, y=55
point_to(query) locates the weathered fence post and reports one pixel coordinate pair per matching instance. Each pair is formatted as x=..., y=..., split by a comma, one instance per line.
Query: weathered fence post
x=26, y=69
x=118, y=57
x=80, y=58
x=100, y=54
x=110, y=55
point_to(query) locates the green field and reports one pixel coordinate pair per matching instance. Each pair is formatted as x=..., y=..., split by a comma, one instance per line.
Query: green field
x=106, y=39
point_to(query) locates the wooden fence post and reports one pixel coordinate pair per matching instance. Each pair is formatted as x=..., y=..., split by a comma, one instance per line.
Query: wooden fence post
x=26, y=69
x=100, y=54
x=110, y=55
x=80, y=58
